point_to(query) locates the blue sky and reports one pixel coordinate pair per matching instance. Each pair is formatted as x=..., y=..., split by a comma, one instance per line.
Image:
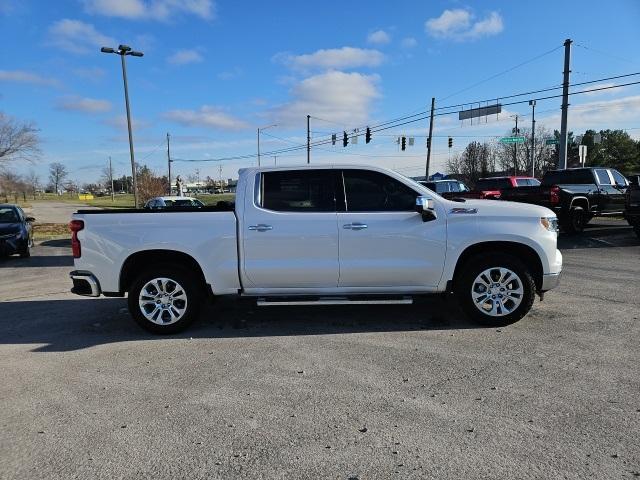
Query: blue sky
x=215, y=70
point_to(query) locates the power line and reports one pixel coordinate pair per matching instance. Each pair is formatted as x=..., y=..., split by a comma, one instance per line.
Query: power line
x=503, y=72
x=386, y=126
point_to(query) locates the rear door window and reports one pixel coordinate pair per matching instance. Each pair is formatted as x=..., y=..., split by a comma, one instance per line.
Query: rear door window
x=368, y=191
x=299, y=191
x=603, y=176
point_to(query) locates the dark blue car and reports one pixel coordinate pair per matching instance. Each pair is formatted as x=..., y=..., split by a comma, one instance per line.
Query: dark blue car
x=15, y=231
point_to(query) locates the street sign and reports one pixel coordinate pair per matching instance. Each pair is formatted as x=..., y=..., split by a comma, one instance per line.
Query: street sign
x=512, y=140
x=582, y=152
x=552, y=141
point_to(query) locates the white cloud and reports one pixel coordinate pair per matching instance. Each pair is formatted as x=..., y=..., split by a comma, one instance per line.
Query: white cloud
x=379, y=37
x=231, y=74
x=84, y=104
x=409, y=42
x=334, y=58
x=162, y=10
x=184, y=57
x=207, y=117
x=598, y=115
x=602, y=92
x=120, y=122
x=78, y=37
x=20, y=76
x=338, y=96
x=460, y=24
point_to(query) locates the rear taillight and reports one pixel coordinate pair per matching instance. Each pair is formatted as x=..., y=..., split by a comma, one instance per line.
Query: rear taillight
x=554, y=195
x=75, y=226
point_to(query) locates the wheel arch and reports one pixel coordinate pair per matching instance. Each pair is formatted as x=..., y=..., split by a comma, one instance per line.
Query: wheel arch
x=580, y=202
x=522, y=252
x=138, y=261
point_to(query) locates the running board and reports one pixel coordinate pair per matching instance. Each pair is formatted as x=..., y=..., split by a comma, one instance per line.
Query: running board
x=267, y=302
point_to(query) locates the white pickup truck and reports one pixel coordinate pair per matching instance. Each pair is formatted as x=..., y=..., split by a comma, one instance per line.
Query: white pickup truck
x=332, y=234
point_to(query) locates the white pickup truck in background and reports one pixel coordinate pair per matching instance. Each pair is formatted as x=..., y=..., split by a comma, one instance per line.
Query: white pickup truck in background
x=319, y=235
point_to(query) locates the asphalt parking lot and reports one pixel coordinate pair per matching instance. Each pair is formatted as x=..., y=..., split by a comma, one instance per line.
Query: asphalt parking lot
x=335, y=392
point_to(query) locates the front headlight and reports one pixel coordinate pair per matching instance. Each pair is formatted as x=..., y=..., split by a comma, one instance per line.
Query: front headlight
x=549, y=223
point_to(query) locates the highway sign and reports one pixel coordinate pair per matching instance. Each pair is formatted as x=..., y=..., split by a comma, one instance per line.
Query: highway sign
x=552, y=141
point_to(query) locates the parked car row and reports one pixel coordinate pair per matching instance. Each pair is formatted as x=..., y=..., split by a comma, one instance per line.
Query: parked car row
x=576, y=195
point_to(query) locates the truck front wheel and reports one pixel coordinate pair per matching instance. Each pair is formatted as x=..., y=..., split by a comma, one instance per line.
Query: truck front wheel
x=495, y=289
x=576, y=220
x=165, y=299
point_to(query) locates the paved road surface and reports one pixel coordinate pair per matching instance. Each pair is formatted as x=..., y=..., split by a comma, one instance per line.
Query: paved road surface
x=55, y=212
x=350, y=392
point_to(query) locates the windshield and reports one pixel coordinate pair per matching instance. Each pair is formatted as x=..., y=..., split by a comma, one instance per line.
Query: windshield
x=492, y=184
x=8, y=215
x=184, y=202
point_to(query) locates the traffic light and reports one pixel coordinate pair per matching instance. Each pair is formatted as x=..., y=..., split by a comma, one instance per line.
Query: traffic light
x=403, y=143
x=428, y=142
x=333, y=138
x=345, y=139
x=367, y=136
x=450, y=142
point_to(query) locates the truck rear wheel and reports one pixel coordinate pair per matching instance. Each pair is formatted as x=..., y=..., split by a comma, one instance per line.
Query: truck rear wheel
x=495, y=289
x=165, y=299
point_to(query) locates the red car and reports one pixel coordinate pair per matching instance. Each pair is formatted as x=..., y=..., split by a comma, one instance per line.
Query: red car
x=491, y=188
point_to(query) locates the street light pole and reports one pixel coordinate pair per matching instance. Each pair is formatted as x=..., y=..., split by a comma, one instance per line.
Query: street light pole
x=123, y=51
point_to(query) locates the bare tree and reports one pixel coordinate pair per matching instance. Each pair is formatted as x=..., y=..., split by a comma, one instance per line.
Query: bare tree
x=18, y=141
x=518, y=160
x=475, y=162
x=57, y=175
x=12, y=184
x=33, y=180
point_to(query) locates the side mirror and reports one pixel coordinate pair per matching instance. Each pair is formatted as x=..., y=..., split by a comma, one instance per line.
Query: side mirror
x=30, y=219
x=426, y=207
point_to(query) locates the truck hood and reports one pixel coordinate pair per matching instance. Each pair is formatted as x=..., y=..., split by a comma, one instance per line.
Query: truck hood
x=500, y=208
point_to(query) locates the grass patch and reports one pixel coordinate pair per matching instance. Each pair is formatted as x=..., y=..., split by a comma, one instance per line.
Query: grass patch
x=50, y=231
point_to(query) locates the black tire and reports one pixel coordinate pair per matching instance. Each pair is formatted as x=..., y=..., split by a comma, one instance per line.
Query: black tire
x=575, y=220
x=26, y=251
x=192, y=289
x=510, y=312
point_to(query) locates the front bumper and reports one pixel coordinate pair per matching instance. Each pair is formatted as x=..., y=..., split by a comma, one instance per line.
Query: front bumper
x=550, y=281
x=11, y=244
x=85, y=284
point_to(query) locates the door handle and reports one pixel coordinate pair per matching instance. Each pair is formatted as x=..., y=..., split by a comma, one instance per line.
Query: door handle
x=355, y=226
x=261, y=227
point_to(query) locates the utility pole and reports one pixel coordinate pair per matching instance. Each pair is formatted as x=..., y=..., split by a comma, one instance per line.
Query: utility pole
x=169, y=162
x=515, y=149
x=308, y=140
x=111, y=178
x=562, y=160
x=533, y=137
x=275, y=160
x=430, y=138
x=258, y=146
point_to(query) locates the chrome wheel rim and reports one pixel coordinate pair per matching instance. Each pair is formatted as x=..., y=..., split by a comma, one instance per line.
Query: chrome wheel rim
x=497, y=291
x=162, y=301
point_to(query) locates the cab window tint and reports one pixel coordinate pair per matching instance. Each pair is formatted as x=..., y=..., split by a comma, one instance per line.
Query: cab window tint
x=299, y=191
x=618, y=178
x=368, y=191
x=603, y=177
